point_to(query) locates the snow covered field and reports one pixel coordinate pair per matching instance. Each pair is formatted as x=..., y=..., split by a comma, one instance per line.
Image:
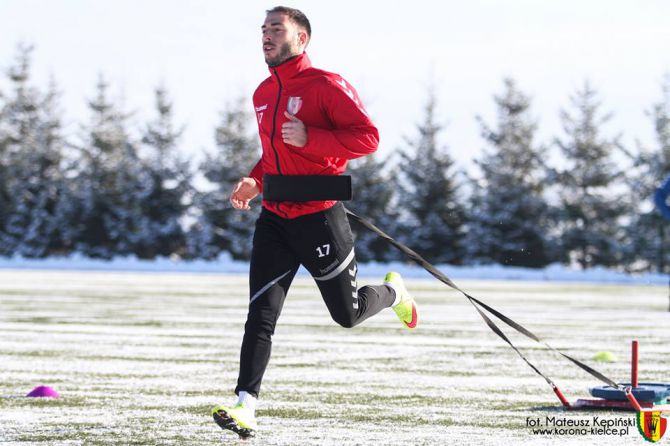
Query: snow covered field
x=140, y=358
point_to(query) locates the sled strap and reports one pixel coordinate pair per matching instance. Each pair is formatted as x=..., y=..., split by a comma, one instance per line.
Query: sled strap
x=483, y=308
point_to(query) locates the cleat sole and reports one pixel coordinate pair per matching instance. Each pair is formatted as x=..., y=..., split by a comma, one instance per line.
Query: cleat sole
x=226, y=422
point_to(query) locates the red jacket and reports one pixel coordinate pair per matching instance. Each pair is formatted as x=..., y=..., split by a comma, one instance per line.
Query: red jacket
x=338, y=128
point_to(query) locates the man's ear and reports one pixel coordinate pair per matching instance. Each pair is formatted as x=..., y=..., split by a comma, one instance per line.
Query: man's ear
x=303, y=38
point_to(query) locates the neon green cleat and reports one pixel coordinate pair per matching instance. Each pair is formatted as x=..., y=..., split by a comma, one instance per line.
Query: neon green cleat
x=405, y=309
x=239, y=419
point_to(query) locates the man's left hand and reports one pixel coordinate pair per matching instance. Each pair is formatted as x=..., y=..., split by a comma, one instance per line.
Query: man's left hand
x=293, y=131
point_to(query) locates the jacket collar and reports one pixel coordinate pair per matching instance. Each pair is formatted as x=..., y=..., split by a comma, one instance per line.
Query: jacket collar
x=291, y=67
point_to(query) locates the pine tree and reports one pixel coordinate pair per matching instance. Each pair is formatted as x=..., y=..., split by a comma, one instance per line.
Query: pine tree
x=167, y=186
x=510, y=218
x=220, y=227
x=434, y=219
x=33, y=182
x=4, y=172
x=5, y=198
x=110, y=183
x=647, y=228
x=592, y=200
x=374, y=198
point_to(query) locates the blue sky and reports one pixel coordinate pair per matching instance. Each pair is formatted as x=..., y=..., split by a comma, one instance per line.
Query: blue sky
x=207, y=53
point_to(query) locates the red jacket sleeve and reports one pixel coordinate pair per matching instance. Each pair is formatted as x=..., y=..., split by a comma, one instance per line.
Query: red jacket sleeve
x=257, y=174
x=353, y=134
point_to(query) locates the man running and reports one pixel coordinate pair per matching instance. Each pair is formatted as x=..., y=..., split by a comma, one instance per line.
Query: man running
x=311, y=122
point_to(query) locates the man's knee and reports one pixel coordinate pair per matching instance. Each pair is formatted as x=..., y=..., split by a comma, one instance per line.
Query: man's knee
x=262, y=318
x=345, y=319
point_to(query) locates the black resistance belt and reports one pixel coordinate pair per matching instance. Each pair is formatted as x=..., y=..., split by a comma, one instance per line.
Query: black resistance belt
x=299, y=188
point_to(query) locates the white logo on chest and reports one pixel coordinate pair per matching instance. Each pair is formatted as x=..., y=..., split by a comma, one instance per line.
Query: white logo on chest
x=294, y=105
x=259, y=112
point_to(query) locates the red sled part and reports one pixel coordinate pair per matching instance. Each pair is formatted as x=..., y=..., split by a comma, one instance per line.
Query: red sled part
x=608, y=404
x=612, y=398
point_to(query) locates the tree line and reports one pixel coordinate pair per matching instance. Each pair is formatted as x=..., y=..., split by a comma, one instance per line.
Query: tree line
x=113, y=190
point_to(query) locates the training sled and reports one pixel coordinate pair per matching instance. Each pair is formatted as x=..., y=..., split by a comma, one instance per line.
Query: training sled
x=633, y=396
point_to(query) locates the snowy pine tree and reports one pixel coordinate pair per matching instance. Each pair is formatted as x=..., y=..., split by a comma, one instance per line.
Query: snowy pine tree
x=434, y=218
x=374, y=198
x=167, y=186
x=32, y=149
x=509, y=214
x=648, y=229
x=221, y=227
x=110, y=184
x=5, y=202
x=6, y=248
x=591, y=192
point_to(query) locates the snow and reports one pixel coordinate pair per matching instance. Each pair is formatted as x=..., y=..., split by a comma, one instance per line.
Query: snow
x=224, y=264
x=141, y=358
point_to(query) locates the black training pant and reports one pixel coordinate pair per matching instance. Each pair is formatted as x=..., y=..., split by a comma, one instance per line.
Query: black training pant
x=323, y=243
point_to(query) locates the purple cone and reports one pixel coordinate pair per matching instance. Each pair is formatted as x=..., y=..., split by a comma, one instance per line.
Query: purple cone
x=43, y=391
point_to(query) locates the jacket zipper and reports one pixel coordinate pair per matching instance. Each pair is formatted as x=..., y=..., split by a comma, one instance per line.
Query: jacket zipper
x=274, y=124
x=272, y=134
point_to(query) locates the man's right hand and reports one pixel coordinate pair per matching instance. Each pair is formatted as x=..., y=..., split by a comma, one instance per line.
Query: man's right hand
x=244, y=191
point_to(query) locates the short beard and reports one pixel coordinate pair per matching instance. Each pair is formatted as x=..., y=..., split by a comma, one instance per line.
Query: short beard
x=285, y=54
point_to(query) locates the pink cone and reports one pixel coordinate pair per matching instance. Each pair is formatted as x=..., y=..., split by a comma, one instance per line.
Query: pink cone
x=43, y=391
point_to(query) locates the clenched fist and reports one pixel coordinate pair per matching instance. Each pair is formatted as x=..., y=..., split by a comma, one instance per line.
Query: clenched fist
x=294, y=131
x=243, y=192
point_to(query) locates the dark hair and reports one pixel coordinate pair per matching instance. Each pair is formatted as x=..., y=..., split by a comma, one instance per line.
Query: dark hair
x=295, y=15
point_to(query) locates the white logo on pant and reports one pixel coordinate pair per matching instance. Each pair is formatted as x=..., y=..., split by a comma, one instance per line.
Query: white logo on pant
x=354, y=294
x=320, y=250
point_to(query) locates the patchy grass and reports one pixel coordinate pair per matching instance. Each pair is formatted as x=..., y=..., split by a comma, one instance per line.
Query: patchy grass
x=140, y=359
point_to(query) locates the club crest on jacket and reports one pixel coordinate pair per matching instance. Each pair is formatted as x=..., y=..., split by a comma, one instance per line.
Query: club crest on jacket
x=294, y=105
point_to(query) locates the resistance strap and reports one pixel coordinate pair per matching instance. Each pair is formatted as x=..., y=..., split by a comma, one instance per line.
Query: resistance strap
x=481, y=307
